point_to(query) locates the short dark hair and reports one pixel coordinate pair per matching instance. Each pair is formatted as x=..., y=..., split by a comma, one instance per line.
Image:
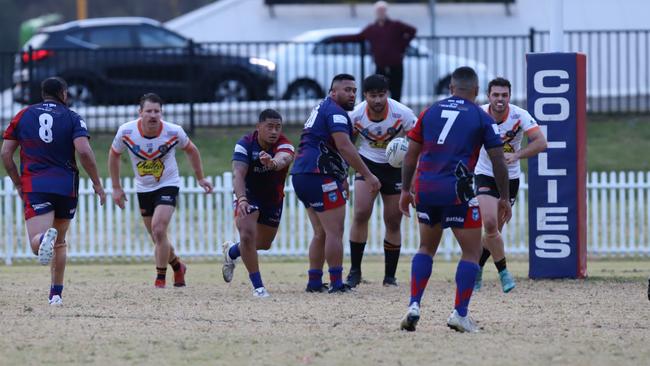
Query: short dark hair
x=375, y=82
x=464, y=78
x=269, y=114
x=52, y=87
x=150, y=97
x=341, y=77
x=499, y=82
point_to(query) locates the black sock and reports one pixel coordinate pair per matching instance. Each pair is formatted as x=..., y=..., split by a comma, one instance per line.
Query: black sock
x=501, y=265
x=175, y=263
x=391, y=255
x=161, y=273
x=356, y=254
x=484, y=257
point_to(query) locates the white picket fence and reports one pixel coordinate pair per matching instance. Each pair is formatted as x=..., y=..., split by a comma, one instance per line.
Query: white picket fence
x=618, y=222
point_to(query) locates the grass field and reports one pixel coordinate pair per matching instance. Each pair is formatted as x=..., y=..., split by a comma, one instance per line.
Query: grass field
x=113, y=315
x=613, y=144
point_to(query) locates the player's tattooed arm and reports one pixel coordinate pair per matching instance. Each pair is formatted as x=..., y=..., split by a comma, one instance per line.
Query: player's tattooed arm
x=239, y=170
x=349, y=153
x=281, y=160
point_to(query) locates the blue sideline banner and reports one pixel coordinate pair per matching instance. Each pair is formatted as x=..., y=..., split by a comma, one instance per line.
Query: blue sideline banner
x=556, y=84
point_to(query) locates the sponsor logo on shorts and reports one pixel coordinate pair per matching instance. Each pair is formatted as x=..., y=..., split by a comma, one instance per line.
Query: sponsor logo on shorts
x=332, y=196
x=484, y=189
x=166, y=198
x=475, y=214
x=72, y=211
x=423, y=216
x=40, y=206
x=316, y=204
x=327, y=187
x=398, y=186
x=455, y=219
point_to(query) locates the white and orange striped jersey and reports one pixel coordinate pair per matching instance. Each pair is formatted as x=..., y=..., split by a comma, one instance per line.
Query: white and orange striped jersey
x=512, y=130
x=153, y=159
x=375, y=136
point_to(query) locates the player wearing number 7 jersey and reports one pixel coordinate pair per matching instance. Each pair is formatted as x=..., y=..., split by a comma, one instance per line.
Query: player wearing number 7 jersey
x=48, y=134
x=445, y=145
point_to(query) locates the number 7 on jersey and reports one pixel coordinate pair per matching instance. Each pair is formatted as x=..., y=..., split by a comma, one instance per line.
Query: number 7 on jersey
x=450, y=116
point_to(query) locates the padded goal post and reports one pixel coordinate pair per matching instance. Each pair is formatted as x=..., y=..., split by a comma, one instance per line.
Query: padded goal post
x=557, y=201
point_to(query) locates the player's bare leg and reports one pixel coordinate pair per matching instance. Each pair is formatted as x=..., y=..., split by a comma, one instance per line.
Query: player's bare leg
x=36, y=228
x=251, y=234
x=364, y=201
x=493, y=243
x=47, y=235
x=162, y=215
x=265, y=236
x=470, y=244
x=60, y=251
x=421, y=267
x=247, y=226
x=316, y=254
x=392, y=238
x=332, y=223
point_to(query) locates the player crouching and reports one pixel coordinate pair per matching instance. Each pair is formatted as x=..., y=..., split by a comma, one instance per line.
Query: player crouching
x=260, y=164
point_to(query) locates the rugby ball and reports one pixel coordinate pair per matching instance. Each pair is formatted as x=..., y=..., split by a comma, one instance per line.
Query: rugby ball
x=396, y=150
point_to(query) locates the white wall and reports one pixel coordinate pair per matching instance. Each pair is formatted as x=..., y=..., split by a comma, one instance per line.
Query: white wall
x=250, y=20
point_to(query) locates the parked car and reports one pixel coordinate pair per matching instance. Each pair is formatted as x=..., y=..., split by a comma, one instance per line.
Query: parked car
x=116, y=60
x=305, y=67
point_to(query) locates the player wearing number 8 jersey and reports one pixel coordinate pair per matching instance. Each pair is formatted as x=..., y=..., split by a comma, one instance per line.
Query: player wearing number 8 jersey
x=444, y=146
x=48, y=134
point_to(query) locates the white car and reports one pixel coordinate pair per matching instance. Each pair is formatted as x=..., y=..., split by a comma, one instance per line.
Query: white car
x=305, y=67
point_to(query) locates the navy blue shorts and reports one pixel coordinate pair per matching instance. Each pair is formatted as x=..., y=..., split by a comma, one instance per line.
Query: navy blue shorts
x=460, y=216
x=37, y=203
x=320, y=192
x=270, y=215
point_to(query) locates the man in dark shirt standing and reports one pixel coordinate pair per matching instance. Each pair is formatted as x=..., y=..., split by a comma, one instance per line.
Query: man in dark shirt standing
x=388, y=41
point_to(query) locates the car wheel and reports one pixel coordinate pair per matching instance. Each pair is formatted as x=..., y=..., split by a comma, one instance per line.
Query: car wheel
x=304, y=89
x=443, y=86
x=231, y=89
x=80, y=93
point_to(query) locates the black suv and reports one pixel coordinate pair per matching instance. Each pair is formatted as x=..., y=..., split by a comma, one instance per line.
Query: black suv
x=116, y=60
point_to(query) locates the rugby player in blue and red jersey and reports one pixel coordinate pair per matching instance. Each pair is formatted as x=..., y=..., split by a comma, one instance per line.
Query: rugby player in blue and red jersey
x=444, y=147
x=48, y=134
x=320, y=175
x=260, y=164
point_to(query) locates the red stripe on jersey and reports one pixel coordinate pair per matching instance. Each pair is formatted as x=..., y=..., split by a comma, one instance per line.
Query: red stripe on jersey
x=9, y=133
x=415, y=133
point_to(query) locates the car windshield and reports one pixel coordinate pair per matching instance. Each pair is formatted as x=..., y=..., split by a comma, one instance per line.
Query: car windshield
x=153, y=37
